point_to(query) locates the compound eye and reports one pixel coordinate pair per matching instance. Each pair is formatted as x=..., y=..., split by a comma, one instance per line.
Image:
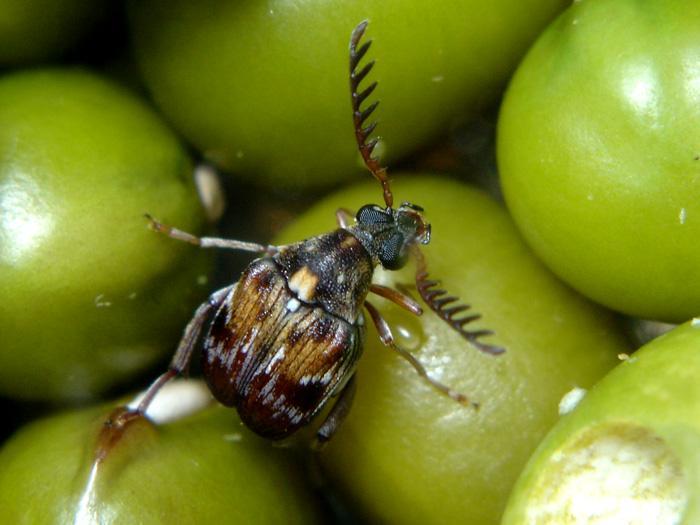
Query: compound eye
x=392, y=253
x=373, y=214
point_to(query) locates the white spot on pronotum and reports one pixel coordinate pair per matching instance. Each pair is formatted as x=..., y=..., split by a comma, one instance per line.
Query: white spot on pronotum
x=682, y=215
x=101, y=302
x=293, y=305
x=571, y=399
x=438, y=78
x=303, y=283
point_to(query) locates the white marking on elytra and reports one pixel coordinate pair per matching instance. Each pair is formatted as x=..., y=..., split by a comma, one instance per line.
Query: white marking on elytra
x=327, y=377
x=340, y=279
x=293, y=304
x=323, y=380
x=279, y=355
x=266, y=390
x=279, y=401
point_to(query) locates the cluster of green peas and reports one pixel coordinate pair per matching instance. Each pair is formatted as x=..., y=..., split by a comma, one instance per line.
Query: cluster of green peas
x=597, y=148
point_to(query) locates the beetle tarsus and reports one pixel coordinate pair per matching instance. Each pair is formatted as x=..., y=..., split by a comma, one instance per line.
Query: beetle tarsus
x=113, y=430
x=387, y=338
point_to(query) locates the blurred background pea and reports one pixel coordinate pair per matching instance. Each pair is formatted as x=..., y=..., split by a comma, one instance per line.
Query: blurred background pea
x=261, y=88
x=90, y=296
x=408, y=454
x=39, y=30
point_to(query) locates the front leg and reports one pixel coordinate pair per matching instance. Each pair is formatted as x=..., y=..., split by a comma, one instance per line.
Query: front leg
x=387, y=338
x=397, y=297
x=210, y=242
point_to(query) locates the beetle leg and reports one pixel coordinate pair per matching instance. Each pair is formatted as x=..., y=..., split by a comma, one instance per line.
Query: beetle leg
x=397, y=297
x=210, y=242
x=387, y=338
x=121, y=417
x=336, y=416
x=343, y=217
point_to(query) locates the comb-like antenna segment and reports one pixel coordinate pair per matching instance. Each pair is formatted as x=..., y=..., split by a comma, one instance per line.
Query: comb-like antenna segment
x=359, y=116
x=448, y=308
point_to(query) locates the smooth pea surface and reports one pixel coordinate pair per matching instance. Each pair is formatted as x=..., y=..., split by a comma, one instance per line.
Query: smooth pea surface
x=261, y=88
x=90, y=295
x=599, y=157
x=201, y=468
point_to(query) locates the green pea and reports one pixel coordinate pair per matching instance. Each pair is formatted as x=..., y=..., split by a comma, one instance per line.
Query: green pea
x=261, y=88
x=90, y=296
x=409, y=454
x=598, y=149
x=202, y=467
x=629, y=452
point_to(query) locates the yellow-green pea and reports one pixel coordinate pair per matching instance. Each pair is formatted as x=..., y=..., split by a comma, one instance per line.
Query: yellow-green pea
x=261, y=88
x=599, y=153
x=90, y=296
x=202, y=466
x=409, y=454
x=629, y=452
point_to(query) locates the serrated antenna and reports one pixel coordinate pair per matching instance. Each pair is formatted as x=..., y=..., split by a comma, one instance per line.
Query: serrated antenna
x=359, y=116
x=450, y=309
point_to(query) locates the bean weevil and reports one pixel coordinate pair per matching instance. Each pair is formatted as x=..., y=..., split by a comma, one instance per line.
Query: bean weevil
x=285, y=339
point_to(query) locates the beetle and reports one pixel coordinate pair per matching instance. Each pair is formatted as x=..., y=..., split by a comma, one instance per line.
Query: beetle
x=286, y=338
